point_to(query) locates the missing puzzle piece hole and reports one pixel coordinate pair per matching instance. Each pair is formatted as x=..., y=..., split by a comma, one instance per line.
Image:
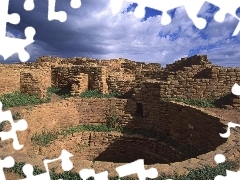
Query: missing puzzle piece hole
x=28, y=5
x=29, y=33
x=22, y=124
x=219, y=16
x=166, y=19
x=28, y=170
x=76, y=4
x=139, y=11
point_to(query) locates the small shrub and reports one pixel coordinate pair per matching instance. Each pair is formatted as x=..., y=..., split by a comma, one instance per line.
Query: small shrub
x=112, y=121
x=44, y=138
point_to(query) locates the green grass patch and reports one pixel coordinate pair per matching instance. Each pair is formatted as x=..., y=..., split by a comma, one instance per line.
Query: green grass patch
x=204, y=103
x=205, y=173
x=19, y=99
x=15, y=99
x=97, y=94
x=46, y=138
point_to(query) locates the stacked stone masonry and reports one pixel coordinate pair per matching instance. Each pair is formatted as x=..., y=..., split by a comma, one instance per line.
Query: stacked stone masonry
x=160, y=117
x=193, y=77
x=146, y=85
x=186, y=143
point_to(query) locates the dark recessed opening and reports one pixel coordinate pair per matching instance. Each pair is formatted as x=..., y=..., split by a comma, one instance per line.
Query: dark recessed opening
x=139, y=110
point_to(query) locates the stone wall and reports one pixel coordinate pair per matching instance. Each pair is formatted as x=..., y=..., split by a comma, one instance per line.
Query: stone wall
x=183, y=84
x=79, y=84
x=10, y=78
x=112, y=64
x=162, y=116
x=62, y=76
x=74, y=111
x=35, y=80
x=193, y=77
x=119, y=148
x=196, y=77
x=158, y=121
x=188, y=62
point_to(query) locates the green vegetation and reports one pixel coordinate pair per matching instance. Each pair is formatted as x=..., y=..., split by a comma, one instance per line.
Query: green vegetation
x=45, y=138
x=97, y=94
x=15, y=99
x=112, y=121
x=18, y=99
x=204, y=103
x=112, y=124
x=65, y=93
x=205, y=173
x=61, y=92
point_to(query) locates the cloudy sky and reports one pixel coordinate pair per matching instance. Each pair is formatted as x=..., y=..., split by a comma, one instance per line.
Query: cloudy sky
x=93, y=31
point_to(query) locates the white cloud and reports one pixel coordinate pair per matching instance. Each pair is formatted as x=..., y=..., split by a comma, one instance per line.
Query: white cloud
x=93, y=31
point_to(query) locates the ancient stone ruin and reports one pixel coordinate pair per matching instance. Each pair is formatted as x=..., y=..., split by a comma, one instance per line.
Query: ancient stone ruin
x=193, y=77
x=177, y=129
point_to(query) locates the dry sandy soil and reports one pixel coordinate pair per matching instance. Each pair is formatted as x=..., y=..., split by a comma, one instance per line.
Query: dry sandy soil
x=232, y=115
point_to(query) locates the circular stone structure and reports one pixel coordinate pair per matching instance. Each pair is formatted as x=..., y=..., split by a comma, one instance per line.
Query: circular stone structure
x=190, y=139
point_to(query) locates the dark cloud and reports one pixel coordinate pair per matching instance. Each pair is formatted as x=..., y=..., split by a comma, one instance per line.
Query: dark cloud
x=93, y=31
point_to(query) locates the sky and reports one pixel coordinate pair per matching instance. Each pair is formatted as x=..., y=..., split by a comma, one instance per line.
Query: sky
x=93, y=31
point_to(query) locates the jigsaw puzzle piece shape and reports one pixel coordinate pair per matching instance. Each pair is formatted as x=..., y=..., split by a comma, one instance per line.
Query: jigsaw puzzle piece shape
x=192, y=8
x=139, y=12
x=229, y=175
x=87, y=173
x=236, y=89
x=60, y=15
x=9, y=46
x=29, y=5
x=230, y=125
x=227, y=7
x=28, y=171
x=160, y=5
x=7, y=162
x=67, y=165
x=5, y=17
x=20, y=125
x=76, y=4
x=53, y=15
x=116, y=6
x=137, y=167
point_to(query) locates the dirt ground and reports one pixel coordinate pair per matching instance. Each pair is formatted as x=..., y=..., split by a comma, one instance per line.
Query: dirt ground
x=232, y=115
